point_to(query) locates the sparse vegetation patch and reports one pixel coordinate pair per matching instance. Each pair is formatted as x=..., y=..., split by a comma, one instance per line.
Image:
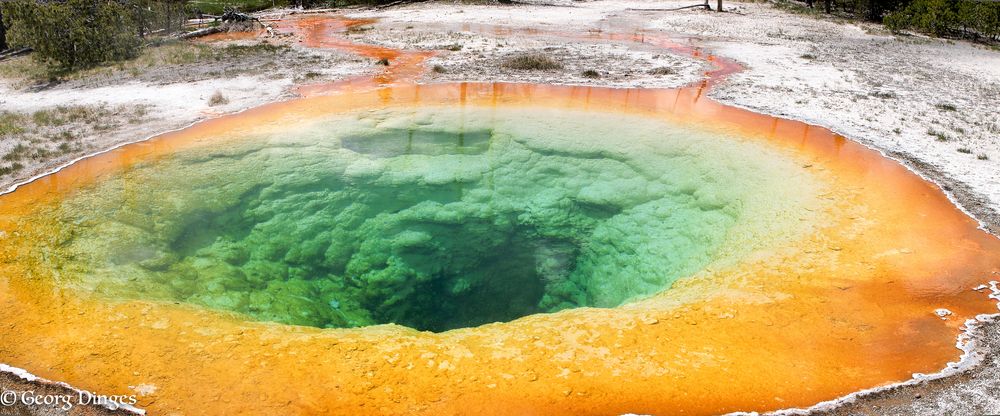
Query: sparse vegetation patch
x=165, y=57
x=51, y=132
x=531, y=62
x=939, y=136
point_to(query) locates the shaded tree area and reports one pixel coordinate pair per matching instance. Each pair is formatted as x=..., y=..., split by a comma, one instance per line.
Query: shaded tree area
x=959, y=18
x=3, y=32
x=69, y=35
x=217, y=7
x=73, y=34
x=342, y=3
x=971, y=19
x=160, y=16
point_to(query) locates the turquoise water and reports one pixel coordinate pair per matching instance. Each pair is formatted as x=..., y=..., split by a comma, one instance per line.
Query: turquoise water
x=433, y=218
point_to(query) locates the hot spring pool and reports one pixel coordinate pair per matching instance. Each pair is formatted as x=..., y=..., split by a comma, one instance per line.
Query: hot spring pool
x=489, y=249
x=433, y=218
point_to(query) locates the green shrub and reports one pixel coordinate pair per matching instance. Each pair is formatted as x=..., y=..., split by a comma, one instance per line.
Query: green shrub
x=980, y=18
x=932, y=16
x=73, y=34
x=968, y=18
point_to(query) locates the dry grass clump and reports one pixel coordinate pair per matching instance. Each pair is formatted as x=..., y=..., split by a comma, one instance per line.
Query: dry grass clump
x=946, y=107
x=353, y=30
x=885, y=95
x=663, y=70
x=217, y=99
x=531, y=62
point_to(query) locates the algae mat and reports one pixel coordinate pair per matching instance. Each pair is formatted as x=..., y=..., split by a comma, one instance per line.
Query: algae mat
x=487, y=248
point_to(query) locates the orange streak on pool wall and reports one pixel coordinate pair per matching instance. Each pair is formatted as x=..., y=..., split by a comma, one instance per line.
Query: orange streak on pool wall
x=850, y=306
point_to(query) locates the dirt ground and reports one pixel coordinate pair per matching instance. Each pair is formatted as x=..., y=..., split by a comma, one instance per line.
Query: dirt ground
x=930, y=103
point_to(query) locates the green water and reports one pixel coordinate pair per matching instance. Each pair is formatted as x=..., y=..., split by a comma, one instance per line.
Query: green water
x=434, y=218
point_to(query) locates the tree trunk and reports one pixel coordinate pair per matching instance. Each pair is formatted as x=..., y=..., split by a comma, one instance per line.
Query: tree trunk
x=719, y=6
x=809, y=3
x=140, y=18
x=3, y=33
x=827, y=6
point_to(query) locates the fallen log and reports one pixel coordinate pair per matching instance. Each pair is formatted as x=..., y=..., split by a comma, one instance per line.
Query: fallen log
x=703, y=5
x=531, y=3
x=397, y=3
x=200, y=32
x=10, y=53
x=231, y=15
x=229, y=18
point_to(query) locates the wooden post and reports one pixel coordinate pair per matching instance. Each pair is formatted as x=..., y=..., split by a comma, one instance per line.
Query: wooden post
x=719, y=6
